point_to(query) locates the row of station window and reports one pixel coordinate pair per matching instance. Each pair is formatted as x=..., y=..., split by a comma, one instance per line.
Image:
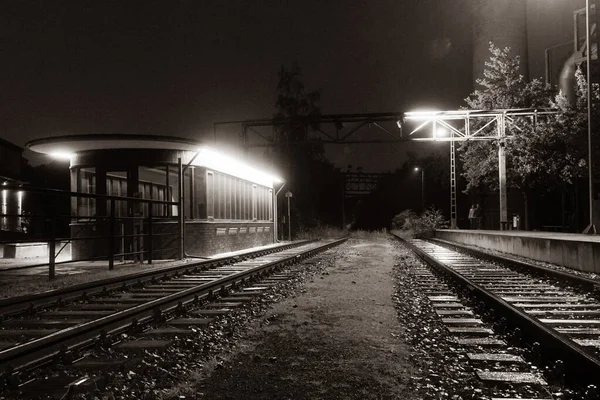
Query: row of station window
x=232, y=198
x=209, y=194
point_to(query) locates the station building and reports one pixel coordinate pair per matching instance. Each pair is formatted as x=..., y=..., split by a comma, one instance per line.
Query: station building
x=227, y=205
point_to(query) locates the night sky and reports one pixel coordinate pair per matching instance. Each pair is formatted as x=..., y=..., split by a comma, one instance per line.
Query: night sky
x=176, y=67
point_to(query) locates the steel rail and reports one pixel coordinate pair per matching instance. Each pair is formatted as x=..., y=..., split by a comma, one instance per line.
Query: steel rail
x=16, y=305
x=580, y=366
x=592, y=285
x=41, y=350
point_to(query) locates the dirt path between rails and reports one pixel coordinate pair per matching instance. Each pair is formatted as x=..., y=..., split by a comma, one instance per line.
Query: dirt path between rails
x=336, y=339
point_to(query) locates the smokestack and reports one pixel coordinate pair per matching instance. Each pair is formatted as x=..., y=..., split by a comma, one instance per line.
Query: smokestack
x=503, y=22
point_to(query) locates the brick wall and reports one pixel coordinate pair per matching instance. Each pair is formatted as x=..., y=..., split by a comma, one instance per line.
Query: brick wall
x=87, y=243
x=201, y=238
x=208, y=238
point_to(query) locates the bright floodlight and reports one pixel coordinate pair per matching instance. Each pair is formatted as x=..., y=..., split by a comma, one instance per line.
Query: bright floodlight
x=417, y=168
x=61, y=155
x=421, y=114
x=214, y=160
x=440, y=132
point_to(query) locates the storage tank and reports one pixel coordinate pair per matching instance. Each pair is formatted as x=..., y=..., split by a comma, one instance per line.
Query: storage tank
x=503, y=22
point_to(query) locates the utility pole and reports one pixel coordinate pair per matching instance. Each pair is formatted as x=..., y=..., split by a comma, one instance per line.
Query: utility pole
x=422, y=187
x=422, y=190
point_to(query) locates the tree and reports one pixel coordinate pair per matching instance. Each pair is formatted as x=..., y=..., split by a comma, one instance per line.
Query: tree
x=538, y=153
x=297, y=106
x=312, y=179
x=568, y=128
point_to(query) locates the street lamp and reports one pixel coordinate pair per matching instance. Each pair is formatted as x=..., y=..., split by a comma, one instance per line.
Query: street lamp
x=288, y=194
x=422, y=187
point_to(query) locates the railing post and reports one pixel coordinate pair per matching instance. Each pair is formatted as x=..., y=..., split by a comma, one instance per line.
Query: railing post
x=52, y=252
x=111, y=236
x=149, y=236
x=180, y=211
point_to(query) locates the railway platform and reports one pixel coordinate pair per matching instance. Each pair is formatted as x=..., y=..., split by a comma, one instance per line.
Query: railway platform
x=576, y=251
x=22, y=276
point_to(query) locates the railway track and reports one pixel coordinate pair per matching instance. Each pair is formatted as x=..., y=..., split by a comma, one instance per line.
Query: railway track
x=556, y=315
x=37, y=330
x=14, y=306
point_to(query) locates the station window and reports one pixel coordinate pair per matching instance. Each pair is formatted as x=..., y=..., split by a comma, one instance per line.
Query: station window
x=153, y=191
x=230, y=198
x=86, y=183
x=210, y=195
x=116, y=185
x=158, y=183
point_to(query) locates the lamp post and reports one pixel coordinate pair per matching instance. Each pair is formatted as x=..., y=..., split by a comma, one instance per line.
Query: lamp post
x=288, y=194
x=422, y=187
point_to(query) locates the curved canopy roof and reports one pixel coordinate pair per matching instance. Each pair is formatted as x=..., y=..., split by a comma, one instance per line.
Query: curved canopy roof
x=66, y=146
x=70, y=144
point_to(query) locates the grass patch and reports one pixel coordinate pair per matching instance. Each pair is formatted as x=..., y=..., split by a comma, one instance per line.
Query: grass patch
x=376, y=234
x=326, y=232
x=336, y=233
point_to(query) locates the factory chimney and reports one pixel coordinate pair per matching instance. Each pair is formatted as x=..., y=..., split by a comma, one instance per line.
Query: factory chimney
x=503, y=22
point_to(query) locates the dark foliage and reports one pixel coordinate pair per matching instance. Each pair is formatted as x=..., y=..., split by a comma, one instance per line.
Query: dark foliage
x=401, y=190
x=314, y=182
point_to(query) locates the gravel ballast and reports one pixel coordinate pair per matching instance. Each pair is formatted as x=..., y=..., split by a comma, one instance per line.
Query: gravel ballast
x=338, y=338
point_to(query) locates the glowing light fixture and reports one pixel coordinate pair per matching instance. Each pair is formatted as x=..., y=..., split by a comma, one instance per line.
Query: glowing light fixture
x=213, y=160
x=421, y=115
x=61, y=155
x=441, y=132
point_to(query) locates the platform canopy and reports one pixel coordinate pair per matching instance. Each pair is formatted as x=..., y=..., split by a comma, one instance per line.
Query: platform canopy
x=64, y=146
x=199, y=154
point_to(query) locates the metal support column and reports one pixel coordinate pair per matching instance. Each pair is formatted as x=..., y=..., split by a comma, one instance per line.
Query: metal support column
x=453, y=222
x=180, y=210
x=275, y=218
x=502, y=171
x=591, y=229
x=111, y=235
x=343, y=202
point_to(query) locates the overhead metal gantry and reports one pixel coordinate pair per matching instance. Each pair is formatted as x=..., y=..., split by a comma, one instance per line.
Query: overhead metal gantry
x=331, y=128
x=460, y=125
x=358, y=184
x=474, y=125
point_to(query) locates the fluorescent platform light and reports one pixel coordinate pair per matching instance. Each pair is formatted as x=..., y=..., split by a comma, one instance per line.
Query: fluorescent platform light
x=213, y=160
x=61, y=155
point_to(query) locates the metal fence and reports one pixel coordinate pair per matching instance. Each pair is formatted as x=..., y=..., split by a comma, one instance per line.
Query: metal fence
x=120, y=229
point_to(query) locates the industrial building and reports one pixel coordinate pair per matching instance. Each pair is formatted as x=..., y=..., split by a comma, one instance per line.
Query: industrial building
x=11, y=200
x=547, y=35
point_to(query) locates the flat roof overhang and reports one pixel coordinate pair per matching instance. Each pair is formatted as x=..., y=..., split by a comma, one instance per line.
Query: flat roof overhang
x=70, y=144
x=65, y=146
